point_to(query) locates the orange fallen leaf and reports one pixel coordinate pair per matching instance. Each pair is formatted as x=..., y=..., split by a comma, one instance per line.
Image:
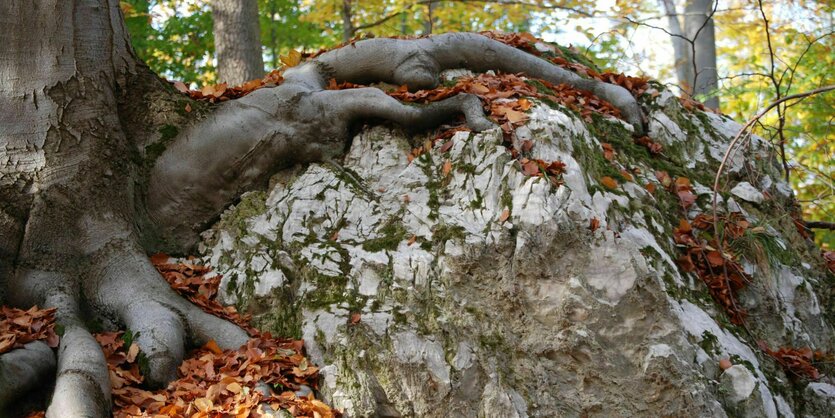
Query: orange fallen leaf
x=715, y=258
x=608, y=151
x=514, y=116
x=292, y=59
x=213, y=347
x=664, y=178
x=609, y=182
x=181, y=87
x=530, y=168
x=683, y=183
x=505, y=214
x=447, y=168
x=478, y=88
x=725, y=364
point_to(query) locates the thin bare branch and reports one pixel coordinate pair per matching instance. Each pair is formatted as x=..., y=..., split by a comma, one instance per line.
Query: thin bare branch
x=820, y=225
x=738, y=137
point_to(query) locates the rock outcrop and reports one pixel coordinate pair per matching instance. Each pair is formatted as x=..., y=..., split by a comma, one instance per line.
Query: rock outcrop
x=456, y=284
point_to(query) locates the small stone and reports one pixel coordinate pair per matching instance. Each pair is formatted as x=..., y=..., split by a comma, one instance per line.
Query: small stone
x=303, y=391
x=747, y=192
x=543, y=47
x=738, y=383
x=820, y=399
x=784, y=189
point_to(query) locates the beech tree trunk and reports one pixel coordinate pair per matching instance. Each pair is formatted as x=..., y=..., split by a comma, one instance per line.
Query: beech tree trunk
x=237, y=40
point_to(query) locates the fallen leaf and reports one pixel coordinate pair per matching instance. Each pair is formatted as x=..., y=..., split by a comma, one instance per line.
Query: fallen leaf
x=447, y=168
x=687, y=198
x=530, y=168
x=609, y=182
x=683, y=183
x=478, y=88
x=133, y=351
x=505, y=214
x=608, y=151
x=446, y=146
x=213, y=347
x=292, y=59
x=234, y=387
x=181, y=87
x=715, y=258
x=514, y=116
x=725, y=364
x=664, y=178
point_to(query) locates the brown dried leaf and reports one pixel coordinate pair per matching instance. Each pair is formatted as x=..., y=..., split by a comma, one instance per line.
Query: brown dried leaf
x=609, y=182
x=447, y=168
x=505, y=214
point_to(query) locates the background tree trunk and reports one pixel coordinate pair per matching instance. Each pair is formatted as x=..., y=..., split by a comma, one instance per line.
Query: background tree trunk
x=429, y=23
x=698, y=25
x=682, y=49
x=347, y=22
x=237, y=40
x=699, y=34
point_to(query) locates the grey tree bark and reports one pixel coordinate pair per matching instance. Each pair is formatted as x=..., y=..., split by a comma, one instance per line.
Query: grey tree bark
x=348, y=29
x=694, y=47
x=237, y=40
x=91, y=180
x=682, y=49
x=429, y=23
x=698, y=25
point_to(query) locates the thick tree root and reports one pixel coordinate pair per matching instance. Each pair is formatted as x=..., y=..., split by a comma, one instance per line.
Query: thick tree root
x=23, y=370
x=246, y=140
x=123, y=288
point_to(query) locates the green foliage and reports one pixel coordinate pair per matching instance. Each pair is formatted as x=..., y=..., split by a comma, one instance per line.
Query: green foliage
x=284, y=27
x=803, y=60
x=174, y=37
x=408, y=17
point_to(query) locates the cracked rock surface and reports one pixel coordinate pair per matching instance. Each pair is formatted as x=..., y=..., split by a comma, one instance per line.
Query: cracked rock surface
x=484, y=292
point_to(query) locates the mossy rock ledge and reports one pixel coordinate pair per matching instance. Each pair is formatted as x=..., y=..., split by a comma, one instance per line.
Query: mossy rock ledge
x=455, y=285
